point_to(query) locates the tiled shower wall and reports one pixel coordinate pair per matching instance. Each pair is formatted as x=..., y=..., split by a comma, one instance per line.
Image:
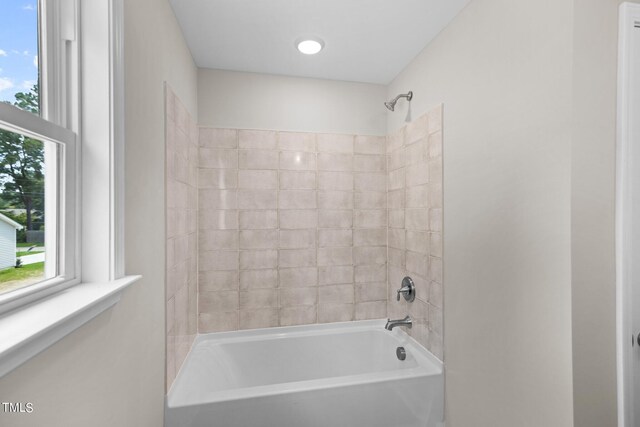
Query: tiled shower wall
x=414, y=165
x=292, y=228
x=181, y=230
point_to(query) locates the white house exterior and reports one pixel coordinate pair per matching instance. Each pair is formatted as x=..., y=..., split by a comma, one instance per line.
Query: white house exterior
x=8, y=229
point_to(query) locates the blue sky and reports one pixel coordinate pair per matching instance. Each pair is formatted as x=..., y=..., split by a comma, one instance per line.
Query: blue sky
x=18, y=47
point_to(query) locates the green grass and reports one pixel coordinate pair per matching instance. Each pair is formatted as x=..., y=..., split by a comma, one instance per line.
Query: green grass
x=14, y=278
x=25, y=253
x=27, y=245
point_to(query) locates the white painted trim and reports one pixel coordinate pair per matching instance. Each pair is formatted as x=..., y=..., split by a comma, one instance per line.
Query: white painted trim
x=629, y=15
x=118, y=137
x=26, y=332
x=16, y=120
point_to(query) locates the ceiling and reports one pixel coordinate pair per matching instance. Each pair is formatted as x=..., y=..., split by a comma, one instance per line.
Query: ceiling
x=365, y=40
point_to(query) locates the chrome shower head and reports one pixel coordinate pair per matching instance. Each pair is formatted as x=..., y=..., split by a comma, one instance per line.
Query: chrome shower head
x=391, y=105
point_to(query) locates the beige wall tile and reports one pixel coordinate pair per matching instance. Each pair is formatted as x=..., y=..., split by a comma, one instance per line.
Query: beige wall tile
x=370, y=200
x=396, y=199
x=297, y=199
x=258, y=298
x=253, y=260
x=395, y=140
x=210, y=302
x=335, y=256
x=339, y=237
x=417, y=197
x=258, y=239
x=435, y=269
x=256, y=220
x=291, y=297
x=302, y=315
x=297, y=239
x=370, y=218
x=417, y=219
x=258, y=318
x=333, y=143
x=218, y=199
x=217, y=322
x=417, y=264
x=258, y=179
x=371, y=273
x=370, y=144
x=369, y=163
x=396, y=179
x=257, y=199
x=297, y=141
x=371, y=291
x=417, y=175
x=218, y=158
x=217, y=138
x=258, y=279
x=397, y=159
x=435, y=145
x=396, y=238
x=297, y=160
x=333, y=275
x=435, y=220
x=335, y=162
x=341, y=181
x=298, y=180
x=436, y=296
x=370, y=181
x=218, y=260
x=298, y=277
x=416, y=129
x=370, y=237
x=297, y=258
x=335, y=218
x=417, y=153
x=418, y=241
x=298, y=219
x=221, y=179
x=336, y=294
x=260, y=139
x=258, y=159
x=371, y=310
x=435, y=244
x=335, y=199
x=396, y=257
x=211, y=240
x=335, y=313
x=369, y=255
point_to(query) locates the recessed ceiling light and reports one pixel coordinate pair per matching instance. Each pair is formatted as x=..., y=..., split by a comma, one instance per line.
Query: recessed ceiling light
x=310, y=46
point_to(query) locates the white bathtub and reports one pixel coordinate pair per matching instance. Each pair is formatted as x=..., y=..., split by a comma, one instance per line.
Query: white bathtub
x=344, y=374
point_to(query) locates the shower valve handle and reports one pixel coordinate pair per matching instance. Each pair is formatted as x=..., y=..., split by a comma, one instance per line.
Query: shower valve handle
x=408, y=290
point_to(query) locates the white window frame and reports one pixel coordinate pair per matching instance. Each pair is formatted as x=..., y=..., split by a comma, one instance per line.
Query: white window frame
x=58, y=123
x=90, y=128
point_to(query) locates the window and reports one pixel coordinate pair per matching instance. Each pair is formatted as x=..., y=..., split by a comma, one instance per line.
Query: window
x=39, y=110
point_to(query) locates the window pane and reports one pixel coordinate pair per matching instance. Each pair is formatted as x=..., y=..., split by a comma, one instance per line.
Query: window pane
x=22, y=211
x=19, y=53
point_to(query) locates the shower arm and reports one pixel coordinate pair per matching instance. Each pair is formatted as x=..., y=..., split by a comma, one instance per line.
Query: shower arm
x=407, y=95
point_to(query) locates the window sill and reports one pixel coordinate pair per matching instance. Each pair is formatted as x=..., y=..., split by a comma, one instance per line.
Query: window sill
x=29, y=330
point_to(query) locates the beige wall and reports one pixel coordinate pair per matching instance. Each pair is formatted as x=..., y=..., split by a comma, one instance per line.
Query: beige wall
x=502, y=69
x=230, y=99
x=110, y=372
